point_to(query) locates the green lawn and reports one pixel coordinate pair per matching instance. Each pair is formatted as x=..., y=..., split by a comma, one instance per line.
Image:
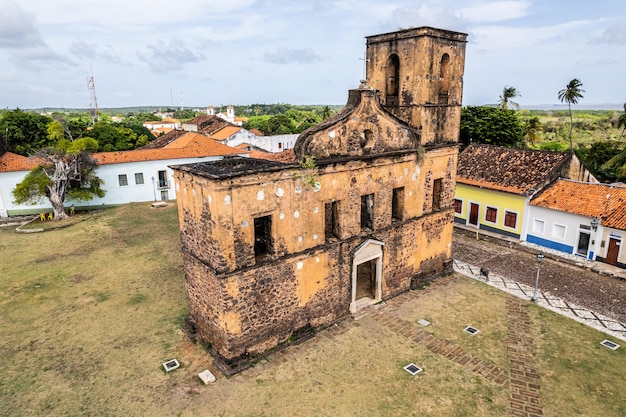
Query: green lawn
x=90, y=312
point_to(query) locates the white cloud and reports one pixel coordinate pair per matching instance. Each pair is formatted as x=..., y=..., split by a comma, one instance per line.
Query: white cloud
x=131, y=13
x=429, y=15
x=496, y=11
x=506, y=37
x=291, y=55
x=169, y=56
x=615, y=34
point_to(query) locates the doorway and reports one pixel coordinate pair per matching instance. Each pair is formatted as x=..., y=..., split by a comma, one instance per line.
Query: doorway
x=613, y=251
x=367, y=271
x=583, y=243
x=473, y=217
x=366, y=280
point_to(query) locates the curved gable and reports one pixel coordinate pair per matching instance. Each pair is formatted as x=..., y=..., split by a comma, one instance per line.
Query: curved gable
x=363, y=127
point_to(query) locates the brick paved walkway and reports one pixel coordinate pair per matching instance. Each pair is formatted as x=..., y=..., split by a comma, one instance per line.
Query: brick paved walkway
x=437, y=345
x=521, y=379
x=524, y=381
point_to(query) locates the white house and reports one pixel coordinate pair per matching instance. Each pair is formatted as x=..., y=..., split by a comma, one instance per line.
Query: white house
x=233, y=135
x=272, y=144
x=580, y=218
x=167, y=123
x=129, y=176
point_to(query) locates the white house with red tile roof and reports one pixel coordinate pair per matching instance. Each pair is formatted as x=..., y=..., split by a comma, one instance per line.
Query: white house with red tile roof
x=160, y=124
x=580, y=218
x=129, y=176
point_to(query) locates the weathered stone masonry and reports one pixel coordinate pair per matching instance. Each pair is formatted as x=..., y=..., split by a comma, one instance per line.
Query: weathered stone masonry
x=271, y=249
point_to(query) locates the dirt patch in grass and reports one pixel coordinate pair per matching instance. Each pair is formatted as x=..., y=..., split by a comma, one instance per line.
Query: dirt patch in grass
x=86, y=335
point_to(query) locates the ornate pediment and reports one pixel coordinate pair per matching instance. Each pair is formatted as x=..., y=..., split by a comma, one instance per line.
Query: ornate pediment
x=363, y=127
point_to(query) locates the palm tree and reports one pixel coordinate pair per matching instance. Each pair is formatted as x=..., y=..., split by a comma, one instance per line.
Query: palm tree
x=507, y=94
x=327, y=112
x=621, y=122
x=571, y=94
x=532, y=130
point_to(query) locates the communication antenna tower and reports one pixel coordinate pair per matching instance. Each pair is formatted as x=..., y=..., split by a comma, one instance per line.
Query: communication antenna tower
x=93, y=104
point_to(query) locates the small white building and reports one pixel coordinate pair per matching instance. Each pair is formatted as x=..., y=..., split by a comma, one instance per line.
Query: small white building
x=129, y=176
x=580, y=218
x=272, y=144
x=166, y=123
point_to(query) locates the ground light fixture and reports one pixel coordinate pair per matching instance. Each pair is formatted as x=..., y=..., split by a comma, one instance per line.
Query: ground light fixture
x=540, y=257
x=413, y=369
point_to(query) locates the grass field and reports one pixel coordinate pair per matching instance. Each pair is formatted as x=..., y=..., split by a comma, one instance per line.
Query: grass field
x=90, y=312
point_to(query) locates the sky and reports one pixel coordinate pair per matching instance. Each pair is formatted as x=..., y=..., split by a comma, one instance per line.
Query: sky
x=201, y=52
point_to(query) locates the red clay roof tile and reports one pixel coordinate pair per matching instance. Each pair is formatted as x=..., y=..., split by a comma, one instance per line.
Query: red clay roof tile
x=518, y=171
x=604, y=201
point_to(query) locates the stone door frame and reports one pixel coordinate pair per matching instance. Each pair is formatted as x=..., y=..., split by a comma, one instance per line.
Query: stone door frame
x=367, y=251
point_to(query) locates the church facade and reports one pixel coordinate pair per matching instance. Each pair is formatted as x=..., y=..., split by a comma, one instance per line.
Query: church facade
x=275, y=250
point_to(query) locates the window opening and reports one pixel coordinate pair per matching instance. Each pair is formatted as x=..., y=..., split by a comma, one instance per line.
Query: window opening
x=331, y=220
x=163, y=179
x=538, y=226
x=458, y=206
x=558, y=231
x=437, y=189
x=397, y=204
x=367, y=211
x=393, y=76
x=164, y=195
x=367, y=141
x=491, y=214
x=123, y=180
x=262, y=235
x=139, y=178
x=510, y=219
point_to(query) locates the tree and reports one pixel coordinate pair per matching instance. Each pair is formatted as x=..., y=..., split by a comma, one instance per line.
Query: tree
x=509, y=93
x=491, y=125
x=616, y=166
x=603, y=159
x=66, y=170
x=532, y=130
x=570, y=94
x=185, y=114
x=24, y=132
x=621, y=122
x=327, y=112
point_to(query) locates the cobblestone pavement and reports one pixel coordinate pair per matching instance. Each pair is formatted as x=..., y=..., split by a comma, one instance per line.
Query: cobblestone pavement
x=581, y=314
x=583, y=295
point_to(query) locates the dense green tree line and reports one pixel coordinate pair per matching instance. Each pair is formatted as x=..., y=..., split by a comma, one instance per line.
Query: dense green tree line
x=292, y=121
x=597, y=135
x=26, y=132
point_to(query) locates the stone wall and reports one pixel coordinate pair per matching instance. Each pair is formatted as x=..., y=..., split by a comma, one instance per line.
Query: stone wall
x=245, y=313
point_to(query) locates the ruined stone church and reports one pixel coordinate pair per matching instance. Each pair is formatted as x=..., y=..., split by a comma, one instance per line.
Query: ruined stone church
x=273, y=249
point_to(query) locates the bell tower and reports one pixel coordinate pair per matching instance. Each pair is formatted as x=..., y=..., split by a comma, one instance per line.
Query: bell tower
x=418, y=74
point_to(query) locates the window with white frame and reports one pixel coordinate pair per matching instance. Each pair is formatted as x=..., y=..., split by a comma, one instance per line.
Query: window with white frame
x=458, y=206
x=139, y=178
x=510, y=219
x=491, y=214
x=122, y=180
x=558, y=231
x=538, y=226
